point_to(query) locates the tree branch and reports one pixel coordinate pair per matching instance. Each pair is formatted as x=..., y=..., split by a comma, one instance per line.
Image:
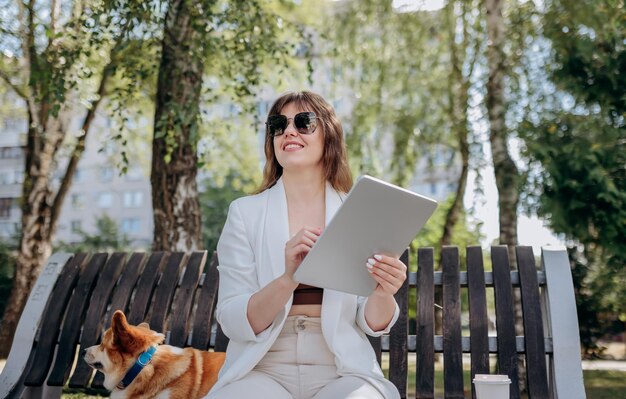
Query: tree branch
x=27, y=33
x=55, y=9
x=477, y=44
x=13, y=86
x=79, y=148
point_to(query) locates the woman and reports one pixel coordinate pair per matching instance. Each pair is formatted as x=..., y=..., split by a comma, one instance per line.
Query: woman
x=289, y=340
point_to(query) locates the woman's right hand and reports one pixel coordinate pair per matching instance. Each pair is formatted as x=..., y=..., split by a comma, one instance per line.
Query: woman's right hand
x=297, y=247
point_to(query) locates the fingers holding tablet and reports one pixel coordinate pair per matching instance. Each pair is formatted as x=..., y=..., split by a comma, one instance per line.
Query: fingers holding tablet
x=388, y=272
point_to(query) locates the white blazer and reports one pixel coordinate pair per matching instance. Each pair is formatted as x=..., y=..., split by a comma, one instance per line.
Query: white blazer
x=251, y=253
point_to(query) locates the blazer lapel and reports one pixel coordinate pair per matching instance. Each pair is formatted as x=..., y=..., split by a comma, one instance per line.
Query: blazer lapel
x=333, y=202
x=331, y=302
x=276, y=228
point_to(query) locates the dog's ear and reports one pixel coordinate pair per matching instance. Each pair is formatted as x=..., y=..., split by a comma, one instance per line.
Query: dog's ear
x=155, y=337
x=121, y=331
x=160, y=338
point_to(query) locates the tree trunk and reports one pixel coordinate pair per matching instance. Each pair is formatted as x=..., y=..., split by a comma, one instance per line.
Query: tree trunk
x=507, y=176
x=35, y=241
x=40, y=206
x=458, y=99
x=458, y=87
x=175, y=200
x=506, y=173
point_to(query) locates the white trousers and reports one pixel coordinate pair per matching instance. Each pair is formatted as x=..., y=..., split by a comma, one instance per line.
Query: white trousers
x=299, y=365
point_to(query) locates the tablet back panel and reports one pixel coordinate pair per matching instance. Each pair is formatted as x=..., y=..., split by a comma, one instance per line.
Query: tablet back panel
x=375, y=218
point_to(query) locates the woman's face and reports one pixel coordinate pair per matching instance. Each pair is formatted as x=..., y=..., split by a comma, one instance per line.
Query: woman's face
x=295, y=151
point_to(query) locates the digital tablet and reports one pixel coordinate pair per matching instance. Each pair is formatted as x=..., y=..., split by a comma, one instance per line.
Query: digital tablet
x=376, y=217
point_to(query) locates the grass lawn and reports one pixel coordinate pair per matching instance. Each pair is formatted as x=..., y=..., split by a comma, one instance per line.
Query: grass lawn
x=599, y=384
x=605, y=384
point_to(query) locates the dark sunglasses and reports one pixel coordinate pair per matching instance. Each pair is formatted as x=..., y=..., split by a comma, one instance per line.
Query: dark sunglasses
x=304, y=122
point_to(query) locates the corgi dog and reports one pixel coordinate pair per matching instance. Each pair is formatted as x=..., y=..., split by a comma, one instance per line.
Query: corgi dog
x=135, y=365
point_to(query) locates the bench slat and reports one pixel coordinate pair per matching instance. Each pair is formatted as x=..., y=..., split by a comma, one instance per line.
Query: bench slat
x=533, y=324
x=452, y=358
x=479, y=330
x=74, y=320
x=51, y=324
x=377, y=346
x=165, y=291
x=465, y=343
x=398, y=337
x=124, y=288
x=221, y=340
x=505, y=317
x=183, y=300
x=145, y=287
x=207, y=300
x=438, y=279
x=121, y=298
x=92, y=327
x=424, y=352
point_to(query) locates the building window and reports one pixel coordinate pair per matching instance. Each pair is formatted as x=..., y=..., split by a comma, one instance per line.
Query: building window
x=131, y=225
x=134, y=174
x=19, y=177
x=15, y=124
x=433, y=188
x=133, y=199
x=78, y=201
x=11, y=152
x=7, y=229
x=6, y=177
x=105, y=200
x=5, y=207
x=106, y=174
x=451, y=157
x=75, y=226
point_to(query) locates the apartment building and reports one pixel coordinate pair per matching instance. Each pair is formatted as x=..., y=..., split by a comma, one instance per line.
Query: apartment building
x=98, y=188
x=11, y=175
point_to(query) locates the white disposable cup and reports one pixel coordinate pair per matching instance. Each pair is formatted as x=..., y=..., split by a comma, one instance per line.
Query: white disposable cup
x=491, y=386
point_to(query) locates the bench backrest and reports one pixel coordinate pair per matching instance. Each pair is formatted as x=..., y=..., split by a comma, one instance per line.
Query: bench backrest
x=176, y=294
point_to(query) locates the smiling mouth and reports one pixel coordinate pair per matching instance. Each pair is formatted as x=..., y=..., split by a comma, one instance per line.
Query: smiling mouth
x=292, y=147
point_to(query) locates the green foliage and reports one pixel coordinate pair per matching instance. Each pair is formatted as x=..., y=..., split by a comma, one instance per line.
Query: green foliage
x=581, y=147
x=66, y=63
x=7, y=270
x=576, y=148
x=598, y=298
x=234, y=40
x=394, y=63
x=590, y=52
x=582, y=180
x=466, y=233
x=107, y=238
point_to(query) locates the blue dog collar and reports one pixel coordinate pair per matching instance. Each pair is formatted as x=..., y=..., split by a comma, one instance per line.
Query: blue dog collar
x=144, y=359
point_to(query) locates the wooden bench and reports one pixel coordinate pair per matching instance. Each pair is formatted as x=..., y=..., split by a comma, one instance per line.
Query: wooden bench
x=73, y=299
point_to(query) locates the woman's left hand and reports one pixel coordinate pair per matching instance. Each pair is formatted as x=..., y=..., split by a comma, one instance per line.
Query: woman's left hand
x=388, y=272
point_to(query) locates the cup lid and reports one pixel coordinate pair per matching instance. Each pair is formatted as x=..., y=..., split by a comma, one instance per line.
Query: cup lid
x=492, y=379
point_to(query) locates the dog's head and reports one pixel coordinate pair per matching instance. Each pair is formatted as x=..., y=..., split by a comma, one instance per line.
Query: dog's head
x=120, y=348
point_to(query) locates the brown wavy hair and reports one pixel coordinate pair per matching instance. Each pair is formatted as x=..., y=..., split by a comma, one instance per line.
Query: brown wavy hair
x=334, y=159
